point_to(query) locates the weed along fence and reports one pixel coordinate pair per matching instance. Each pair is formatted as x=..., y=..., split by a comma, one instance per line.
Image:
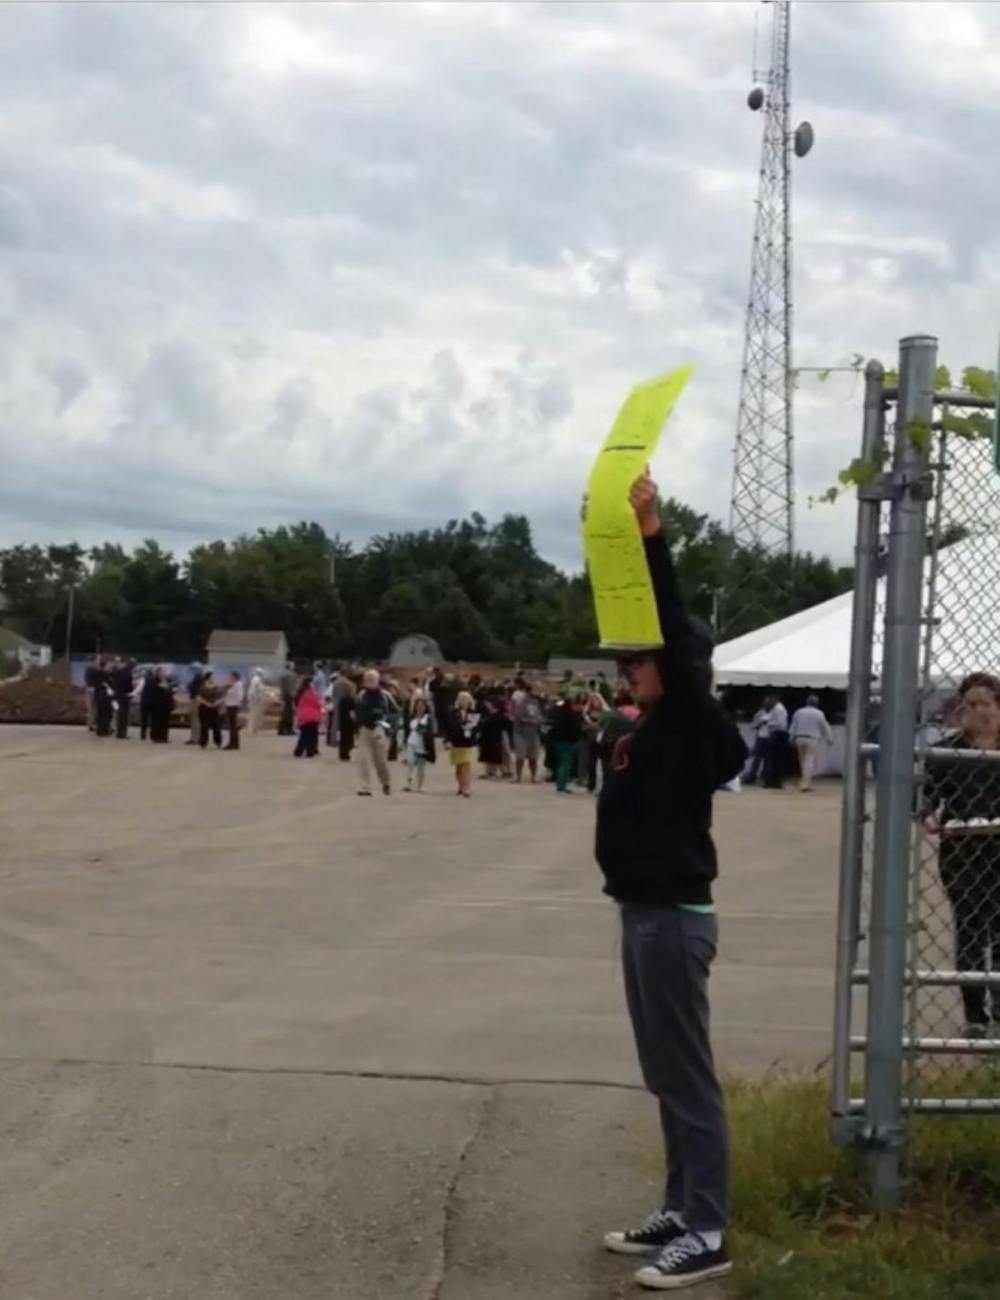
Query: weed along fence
x=918, y=942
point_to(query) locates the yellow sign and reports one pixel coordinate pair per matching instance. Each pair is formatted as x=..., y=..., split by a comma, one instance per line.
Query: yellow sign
x=616, y=561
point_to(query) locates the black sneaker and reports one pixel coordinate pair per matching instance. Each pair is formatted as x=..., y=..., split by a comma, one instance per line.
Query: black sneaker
x=659, y=1229
x=685, y=1262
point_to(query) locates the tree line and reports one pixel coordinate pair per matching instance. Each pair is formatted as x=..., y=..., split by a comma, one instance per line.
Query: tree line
x=481, y=590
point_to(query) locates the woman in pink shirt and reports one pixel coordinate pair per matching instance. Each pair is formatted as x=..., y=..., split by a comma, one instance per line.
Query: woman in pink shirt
x=308, y=716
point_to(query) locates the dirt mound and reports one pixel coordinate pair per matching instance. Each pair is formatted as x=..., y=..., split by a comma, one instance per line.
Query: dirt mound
x=43, y=695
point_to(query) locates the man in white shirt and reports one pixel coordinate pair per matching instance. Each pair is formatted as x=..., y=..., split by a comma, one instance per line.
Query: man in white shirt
x=232, y=703
x=776, y=760
x=761, y=733
x=809, y=727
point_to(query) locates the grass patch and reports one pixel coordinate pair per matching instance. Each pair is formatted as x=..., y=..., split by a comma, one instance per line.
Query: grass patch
x=803, y=1227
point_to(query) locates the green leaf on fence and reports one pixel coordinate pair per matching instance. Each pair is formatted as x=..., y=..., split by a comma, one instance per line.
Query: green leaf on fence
x=981, y=382
x=977, y=424
x=859, y=473
x=920, y=434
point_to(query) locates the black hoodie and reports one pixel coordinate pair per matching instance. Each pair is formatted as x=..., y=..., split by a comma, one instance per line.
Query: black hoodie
x=654, y=815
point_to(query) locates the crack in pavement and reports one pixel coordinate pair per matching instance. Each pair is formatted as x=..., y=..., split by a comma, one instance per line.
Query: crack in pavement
x=400, y=1076
x=449, y=1215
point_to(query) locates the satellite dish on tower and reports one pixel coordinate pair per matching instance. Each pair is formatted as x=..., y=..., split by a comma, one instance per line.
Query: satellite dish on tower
x=804, y=137
x=755, y=99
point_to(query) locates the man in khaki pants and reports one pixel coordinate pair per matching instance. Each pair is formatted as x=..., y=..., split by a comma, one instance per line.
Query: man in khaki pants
x=375, y=714
x=809, y=727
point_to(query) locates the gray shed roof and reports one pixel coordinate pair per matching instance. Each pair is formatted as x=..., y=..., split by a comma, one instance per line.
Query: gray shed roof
x=11, y=642
x=236, y=641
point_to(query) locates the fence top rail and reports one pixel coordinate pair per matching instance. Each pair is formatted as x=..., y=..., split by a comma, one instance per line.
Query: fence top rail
x=962, y=397
x=944, y=755
x=947, y=397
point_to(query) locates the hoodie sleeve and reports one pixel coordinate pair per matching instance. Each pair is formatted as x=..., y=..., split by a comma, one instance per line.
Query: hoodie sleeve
x=674, y=622
x=681, y=677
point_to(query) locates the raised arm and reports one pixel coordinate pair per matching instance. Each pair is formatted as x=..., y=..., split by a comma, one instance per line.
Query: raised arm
x=675, y=624
x=674, y=621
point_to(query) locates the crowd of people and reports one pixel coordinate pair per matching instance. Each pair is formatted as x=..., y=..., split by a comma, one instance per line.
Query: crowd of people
x=114, y=687
x=514, y=728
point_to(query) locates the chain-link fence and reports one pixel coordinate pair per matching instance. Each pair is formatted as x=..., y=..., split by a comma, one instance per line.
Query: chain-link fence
x=918, y=970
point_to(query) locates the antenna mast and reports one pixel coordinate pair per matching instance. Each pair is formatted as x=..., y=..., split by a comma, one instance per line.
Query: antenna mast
x=762, y=511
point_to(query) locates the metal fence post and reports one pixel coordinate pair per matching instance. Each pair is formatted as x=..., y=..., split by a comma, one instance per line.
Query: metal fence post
x=852, y=824
x=894, y=809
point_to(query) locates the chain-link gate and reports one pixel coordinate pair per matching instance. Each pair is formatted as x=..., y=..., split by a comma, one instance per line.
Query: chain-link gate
x=918, y=947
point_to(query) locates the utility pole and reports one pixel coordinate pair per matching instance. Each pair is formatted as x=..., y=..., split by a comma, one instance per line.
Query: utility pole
x=69, y=625
x=762, y=509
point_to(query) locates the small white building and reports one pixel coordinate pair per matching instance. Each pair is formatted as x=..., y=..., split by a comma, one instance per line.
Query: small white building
x=27, y=653
x=415, y=651
x=239, y=650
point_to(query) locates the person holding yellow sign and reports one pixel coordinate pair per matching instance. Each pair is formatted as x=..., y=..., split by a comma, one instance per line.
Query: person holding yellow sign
x=654, y=846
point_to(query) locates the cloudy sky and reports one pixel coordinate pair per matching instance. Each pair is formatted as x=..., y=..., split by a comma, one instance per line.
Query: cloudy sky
x=380, y=265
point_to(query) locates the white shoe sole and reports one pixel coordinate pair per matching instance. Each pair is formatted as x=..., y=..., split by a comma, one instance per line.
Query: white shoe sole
x=616, y=1243
x=653, y=1280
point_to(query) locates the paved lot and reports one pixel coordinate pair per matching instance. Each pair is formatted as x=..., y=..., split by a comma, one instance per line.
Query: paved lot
x=262, y=1038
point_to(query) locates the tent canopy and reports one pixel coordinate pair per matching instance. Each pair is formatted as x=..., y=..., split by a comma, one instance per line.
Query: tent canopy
x=813, y=649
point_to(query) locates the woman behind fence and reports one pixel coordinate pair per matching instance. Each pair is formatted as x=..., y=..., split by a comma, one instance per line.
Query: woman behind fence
x=655, y=848
x=963, y=817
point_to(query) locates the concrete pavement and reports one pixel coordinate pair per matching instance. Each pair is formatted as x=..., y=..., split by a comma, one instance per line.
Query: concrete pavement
x=264, y=1038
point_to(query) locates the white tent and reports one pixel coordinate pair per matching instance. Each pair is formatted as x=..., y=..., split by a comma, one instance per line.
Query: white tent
x=807, y=649
x=812, y=649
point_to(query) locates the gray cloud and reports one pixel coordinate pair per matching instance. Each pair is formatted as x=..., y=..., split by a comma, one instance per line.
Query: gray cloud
x=69, y=378
x=380, y=266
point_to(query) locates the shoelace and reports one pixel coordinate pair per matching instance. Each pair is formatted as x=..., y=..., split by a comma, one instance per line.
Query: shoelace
x=655, y=1222
x=684, y=1248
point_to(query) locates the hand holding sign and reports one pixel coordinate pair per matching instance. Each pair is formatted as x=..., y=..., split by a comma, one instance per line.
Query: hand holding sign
x=644, y=498
x=616, y=561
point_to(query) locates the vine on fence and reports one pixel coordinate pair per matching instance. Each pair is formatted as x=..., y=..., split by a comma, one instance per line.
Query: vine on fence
x=977, y=424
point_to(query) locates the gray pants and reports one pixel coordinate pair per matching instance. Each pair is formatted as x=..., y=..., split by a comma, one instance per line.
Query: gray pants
x=666, y=954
